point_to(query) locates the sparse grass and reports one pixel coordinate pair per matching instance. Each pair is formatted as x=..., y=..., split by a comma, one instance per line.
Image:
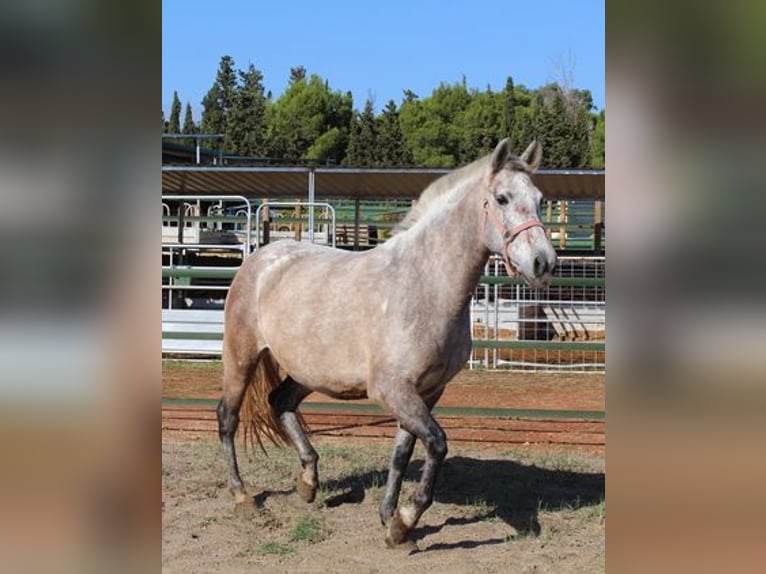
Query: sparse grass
x=324, y=492
x=552, y=460
x=482, y=509
x=589, y=514
x=343, y=459
x=311, y=529
x=276, y=549
x=546, y=535
x=207, y=521
x=376, y=480
x=521, y=535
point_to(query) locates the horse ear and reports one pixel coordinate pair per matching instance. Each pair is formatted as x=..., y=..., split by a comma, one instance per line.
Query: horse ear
x=501, y=155
x=533, y=155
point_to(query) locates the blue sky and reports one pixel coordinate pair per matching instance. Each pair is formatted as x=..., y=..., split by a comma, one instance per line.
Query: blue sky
x=379, y=49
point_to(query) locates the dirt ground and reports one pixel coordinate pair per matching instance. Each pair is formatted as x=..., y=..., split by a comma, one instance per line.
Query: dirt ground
x=517, y=510
x=479, y=388
x=512, y=508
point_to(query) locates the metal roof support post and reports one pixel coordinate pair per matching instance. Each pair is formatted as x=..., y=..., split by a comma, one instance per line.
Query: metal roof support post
x=312, y=179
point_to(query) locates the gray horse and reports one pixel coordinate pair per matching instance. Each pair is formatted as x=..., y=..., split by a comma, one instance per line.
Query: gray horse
x=391, y=324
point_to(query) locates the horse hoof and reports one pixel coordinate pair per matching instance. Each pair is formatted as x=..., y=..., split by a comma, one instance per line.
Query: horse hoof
x=306, y=491
x=397, y=533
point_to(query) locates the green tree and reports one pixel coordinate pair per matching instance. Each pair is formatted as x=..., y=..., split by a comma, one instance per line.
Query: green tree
x=580, y=104
x=552, y=127
x=309, y=120
x=432, y=125
x=363, y=138
x=189, y=126
x=218, y=101
x=480, y=124
x=509, y=109
x=297, y=74
x=392, y=150
x=598, y=142
x=523, y=111
x=212, y=121
x=174, y=124
x=246, y=125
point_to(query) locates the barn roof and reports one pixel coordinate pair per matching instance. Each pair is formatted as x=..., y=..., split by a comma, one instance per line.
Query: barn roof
x=276, y=182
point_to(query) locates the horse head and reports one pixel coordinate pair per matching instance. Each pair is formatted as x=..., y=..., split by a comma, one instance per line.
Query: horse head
x=512, y=225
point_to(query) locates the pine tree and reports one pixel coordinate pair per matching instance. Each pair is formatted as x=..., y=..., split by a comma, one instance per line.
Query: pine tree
x=212, y=113
x=226, y=79
x=509, y=109
x=297, y=74
x=553, y=128
x=392, y=147
x=580, y=104
x=362, y=141
x=174, y=124
x=246, y=126
x=598, y=142
x=218, y=100
x=562, y=123
x=189, y=125
x=523, y=126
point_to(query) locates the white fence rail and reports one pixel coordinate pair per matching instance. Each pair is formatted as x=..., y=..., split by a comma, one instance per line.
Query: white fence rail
x=561, y=328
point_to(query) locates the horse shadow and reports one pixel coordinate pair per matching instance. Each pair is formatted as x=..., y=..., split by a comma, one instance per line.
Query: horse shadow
x=494, y=489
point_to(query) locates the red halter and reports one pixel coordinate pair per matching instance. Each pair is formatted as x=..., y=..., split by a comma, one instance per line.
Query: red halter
x=508, y=235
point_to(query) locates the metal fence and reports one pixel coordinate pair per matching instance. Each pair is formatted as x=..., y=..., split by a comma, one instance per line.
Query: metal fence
x=561, y=328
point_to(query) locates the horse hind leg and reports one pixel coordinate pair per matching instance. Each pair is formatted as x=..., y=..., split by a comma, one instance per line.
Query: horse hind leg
x=285, y=400
x=235, y=381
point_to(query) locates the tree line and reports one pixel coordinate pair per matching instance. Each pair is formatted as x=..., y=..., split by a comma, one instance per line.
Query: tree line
x=452, y=126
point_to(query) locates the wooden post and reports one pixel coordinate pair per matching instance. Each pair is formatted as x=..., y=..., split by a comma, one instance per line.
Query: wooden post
x=298, y=227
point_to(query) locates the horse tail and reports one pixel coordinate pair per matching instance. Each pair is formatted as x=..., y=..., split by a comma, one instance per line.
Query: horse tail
x=257, y=415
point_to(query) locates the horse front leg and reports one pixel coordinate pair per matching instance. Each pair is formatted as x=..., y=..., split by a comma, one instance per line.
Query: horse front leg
x=404, y=443
x=415, y=418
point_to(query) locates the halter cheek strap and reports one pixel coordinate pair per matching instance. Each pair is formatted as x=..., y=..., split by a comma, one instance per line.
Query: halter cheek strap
x=508, y=235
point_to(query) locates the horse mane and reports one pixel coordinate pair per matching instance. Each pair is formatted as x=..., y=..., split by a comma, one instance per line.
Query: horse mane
x=429, y=198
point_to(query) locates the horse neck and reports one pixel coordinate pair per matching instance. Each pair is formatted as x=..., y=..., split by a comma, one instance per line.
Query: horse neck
x=449, y=252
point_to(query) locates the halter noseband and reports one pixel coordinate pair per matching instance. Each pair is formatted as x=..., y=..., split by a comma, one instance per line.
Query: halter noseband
x=508, y=235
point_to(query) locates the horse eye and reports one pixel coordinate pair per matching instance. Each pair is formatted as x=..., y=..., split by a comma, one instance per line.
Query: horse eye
x=501, y=199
